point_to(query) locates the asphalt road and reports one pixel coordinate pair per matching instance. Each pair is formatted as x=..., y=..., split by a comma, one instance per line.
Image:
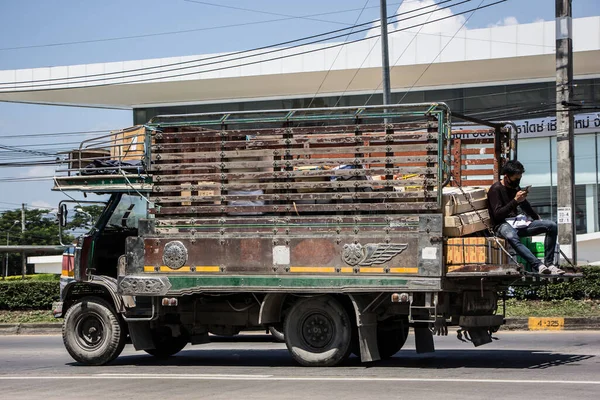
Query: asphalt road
x=528, y=365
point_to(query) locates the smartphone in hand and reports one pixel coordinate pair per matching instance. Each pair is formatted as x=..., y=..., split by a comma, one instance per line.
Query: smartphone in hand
x=526, y=188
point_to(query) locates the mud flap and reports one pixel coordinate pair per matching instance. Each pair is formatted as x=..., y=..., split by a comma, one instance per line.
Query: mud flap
x=140, y=335
x=423, y=338
x=480, y=336
x=366, y=323
x=367, y=337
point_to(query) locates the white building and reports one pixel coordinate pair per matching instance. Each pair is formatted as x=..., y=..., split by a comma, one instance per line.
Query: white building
x=46, y=264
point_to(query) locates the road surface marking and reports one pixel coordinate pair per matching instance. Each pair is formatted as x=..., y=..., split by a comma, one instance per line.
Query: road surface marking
x=266, y=378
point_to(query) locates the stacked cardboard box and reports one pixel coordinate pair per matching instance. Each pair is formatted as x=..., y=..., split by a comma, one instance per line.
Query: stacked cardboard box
x=455, y=201
x=466, y=223
x=474, y=250
x=465, y=211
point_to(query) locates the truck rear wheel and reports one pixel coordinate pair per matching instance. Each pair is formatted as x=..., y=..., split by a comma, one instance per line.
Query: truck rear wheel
x=93, y=333
x=166, y=344
x=318, y=332
x=391, y=336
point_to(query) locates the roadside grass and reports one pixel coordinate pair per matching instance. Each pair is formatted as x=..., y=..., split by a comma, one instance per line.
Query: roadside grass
x=552, y=308
x=29, y=316
x=35, y=277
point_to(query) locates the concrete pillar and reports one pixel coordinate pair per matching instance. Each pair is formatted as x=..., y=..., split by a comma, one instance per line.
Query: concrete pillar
x=591, y=208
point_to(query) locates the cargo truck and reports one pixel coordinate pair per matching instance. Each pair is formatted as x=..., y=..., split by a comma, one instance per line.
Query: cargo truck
x=325, y=226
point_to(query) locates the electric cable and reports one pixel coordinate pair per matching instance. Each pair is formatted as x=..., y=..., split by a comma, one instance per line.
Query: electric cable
x=336, y=56
x=271, y=49
x=440, y=52
x=176, y=32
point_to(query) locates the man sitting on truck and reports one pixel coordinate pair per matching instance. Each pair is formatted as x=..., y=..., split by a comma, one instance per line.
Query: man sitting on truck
x=504, y=199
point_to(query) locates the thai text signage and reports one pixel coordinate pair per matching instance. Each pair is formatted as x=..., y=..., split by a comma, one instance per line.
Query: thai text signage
x=543, y=127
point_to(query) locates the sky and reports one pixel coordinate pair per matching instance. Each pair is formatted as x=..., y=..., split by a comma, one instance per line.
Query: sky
x=40, y=33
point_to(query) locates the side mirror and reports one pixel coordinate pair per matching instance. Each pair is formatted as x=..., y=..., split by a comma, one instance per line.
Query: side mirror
x=62, y=215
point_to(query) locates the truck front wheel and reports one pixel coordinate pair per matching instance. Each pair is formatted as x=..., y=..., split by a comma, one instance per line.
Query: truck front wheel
x=92, y=332
x=318, y=332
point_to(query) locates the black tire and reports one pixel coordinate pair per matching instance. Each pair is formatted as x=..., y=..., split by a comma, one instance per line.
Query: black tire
x=277, y=332
x=166, y=344
x=391, y=336
x=93, y=332
x=318, y=332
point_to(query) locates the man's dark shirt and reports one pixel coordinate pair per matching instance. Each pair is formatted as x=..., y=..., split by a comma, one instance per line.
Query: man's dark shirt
x=502, y=204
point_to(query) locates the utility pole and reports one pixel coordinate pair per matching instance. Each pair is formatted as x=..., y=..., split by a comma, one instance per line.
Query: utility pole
x=22, y=217
x=23, y=256
x=564, y=130
x=385, y=57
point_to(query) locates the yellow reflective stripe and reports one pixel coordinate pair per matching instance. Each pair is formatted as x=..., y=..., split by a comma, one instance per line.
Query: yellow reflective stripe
x=371, y=270
x=164, y=268
x=312, y=269
x=212, y=268
x=347, y=270
x=411, y=270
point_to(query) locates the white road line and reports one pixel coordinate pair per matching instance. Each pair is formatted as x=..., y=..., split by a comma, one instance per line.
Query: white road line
x=267, y=378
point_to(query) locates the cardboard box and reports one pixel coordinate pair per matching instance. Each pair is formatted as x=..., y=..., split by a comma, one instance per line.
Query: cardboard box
x=475, y=250
x=128, y=144
x=189, y=189
x=455, y=202
x=466, y=223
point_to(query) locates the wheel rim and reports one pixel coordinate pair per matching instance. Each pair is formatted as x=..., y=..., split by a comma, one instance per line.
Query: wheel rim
x=318, y=330
x=90, y=331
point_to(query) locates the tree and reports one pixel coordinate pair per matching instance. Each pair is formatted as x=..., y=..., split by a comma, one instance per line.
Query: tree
x=41, y=228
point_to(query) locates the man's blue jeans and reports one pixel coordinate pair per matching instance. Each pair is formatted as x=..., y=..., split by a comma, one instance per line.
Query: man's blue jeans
x=512, y=236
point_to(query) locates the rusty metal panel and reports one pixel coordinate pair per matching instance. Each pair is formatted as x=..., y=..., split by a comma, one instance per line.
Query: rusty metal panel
x=336, y=246
x=473, y=151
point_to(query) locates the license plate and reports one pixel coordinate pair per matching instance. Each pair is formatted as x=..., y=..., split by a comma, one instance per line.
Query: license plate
x=546, y=324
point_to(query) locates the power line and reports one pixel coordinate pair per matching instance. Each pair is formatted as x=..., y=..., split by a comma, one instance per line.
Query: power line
x=270, y=49
x=32, y=152
x=13, y=204
x=336, y=56
x=395, y=62
x=263, y=12
x=270, y=46
x=13, y=136
x=440, y=52
x=174, y=32
x=271, y=59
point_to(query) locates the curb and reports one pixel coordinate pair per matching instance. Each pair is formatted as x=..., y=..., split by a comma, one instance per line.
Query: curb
x=552, y=324
x=51, y=328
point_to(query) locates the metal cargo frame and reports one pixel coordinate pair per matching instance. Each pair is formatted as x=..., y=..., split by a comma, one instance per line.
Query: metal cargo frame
x=307, y=200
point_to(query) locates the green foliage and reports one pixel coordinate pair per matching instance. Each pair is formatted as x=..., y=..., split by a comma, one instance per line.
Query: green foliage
x=28, y=294
x=580, y=289
x=41, y=228
x=85, y=219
